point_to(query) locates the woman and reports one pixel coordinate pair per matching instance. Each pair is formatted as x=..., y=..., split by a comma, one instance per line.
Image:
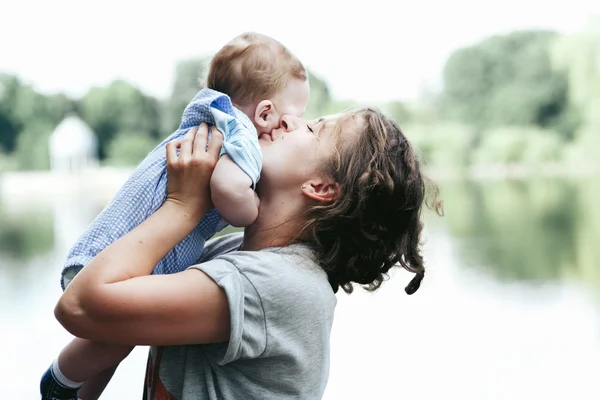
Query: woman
x=340, y=203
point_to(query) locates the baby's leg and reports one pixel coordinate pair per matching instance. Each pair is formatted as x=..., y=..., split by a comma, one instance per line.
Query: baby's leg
x=93, y=388
x=80, y=361
x=83, y=359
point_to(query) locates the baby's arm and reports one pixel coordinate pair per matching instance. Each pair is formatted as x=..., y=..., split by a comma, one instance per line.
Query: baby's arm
x=232, y=193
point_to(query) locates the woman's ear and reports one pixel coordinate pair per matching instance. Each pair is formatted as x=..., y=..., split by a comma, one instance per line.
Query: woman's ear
x=324, y=191
x=264, y=114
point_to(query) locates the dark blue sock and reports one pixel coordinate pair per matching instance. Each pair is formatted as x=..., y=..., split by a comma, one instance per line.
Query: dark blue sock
x=51, y=389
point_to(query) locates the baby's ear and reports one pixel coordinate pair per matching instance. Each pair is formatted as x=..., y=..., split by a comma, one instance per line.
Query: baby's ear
x=264, y=116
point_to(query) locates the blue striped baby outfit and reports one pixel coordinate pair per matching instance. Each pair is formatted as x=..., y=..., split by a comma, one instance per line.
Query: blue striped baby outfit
x=146, y=189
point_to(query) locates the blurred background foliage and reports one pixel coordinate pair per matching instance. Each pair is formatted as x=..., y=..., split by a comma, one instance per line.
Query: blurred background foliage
x=527, y=97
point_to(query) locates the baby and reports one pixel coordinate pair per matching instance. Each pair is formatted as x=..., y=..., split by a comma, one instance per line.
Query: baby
x=251, y=82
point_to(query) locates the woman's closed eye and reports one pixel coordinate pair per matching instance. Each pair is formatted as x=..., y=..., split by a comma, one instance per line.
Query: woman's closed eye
x=310, y=129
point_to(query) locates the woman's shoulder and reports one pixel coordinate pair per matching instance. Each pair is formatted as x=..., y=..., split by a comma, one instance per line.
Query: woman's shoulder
x=292, y=261
x=292, y=271
x=221, y=245
x=281, y=272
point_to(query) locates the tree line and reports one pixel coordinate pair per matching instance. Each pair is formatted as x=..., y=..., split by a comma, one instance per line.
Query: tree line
x=524, y=97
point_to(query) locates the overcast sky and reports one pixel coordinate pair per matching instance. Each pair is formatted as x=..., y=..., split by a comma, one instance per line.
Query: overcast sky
x=372, y=50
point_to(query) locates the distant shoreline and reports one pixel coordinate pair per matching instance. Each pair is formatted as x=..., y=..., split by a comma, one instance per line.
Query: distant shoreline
x=19, y=189
x=513, y=171
x=26, y=187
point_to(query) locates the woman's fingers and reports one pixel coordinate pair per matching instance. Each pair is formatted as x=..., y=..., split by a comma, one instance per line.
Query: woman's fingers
x=172, y=147
x=194, y=145
x=216, y=141
x=185, y=152
x=200, y=139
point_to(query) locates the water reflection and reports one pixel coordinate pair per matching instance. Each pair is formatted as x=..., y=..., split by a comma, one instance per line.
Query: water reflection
x=509, y=308
x=465, y=336
x=538, y=231
x=23, y=236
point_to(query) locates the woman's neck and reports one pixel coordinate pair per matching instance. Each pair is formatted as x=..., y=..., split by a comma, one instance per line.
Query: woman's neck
x=278, y=225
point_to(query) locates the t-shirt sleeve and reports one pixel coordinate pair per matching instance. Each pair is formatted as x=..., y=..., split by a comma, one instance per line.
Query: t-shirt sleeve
x=248, y=337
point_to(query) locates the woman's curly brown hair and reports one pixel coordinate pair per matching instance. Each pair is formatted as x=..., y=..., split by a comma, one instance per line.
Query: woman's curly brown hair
x=375, y=223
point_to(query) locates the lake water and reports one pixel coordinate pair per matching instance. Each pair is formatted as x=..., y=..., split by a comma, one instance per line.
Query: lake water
x=509, y=309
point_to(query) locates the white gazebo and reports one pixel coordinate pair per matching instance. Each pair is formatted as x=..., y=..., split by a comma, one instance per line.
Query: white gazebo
x=73, y=147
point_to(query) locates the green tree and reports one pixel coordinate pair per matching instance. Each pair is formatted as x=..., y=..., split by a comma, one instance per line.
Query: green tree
x=129, y=148
x=10, y=125
x=27, y=235
x=442, y=144
x=338, y=106
x=31, y=152
x=26, y=120
x=320, y=97
x=32, y=107
x=399, y=111
x=506, y=80
x=59, y=105
x=518, y=144
x=189, y=77
x=579, y=56
x=520, y=230
x=119, y=107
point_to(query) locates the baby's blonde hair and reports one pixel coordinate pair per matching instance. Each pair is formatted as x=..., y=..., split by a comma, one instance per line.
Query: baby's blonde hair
x=253, y=67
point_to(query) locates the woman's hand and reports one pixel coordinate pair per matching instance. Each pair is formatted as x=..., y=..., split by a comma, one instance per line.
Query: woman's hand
x=115, y=299
x=188, y=174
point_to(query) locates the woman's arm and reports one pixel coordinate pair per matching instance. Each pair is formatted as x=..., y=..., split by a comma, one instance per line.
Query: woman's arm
x=232, y=194
x=115, y=300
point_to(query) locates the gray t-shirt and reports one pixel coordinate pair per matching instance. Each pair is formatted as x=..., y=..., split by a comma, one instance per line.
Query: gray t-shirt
x=281, y=307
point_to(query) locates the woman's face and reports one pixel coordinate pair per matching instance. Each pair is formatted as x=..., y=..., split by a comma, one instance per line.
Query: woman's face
x=293, y=152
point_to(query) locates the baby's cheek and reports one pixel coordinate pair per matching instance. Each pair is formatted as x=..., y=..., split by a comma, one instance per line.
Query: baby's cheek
x=276, y=124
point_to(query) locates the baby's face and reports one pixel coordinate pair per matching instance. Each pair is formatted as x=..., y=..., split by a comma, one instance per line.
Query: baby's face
x=291, y=101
